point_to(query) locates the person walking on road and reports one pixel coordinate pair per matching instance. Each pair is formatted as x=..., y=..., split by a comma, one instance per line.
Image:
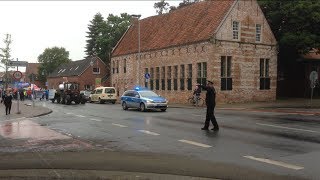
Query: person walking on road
x=211, y=104
x=7, y=100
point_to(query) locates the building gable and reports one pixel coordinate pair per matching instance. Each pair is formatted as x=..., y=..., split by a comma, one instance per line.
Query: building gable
x=248, y=14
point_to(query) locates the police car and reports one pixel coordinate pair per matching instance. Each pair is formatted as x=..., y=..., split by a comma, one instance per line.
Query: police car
x=143, y=99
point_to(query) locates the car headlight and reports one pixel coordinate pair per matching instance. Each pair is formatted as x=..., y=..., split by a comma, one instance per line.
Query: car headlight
x=149, y=101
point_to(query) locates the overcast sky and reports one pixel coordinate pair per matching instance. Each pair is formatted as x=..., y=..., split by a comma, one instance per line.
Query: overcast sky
x=36, y=25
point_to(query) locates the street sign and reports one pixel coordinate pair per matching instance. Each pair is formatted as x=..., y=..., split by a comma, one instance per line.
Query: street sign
x=17, y=75
x=18, y=63
x=147, y=75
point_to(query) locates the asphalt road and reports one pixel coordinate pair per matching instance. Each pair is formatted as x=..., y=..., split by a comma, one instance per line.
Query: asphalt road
x=277, y=143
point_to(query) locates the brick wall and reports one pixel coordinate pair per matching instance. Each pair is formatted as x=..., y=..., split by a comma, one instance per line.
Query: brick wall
x=245, y=61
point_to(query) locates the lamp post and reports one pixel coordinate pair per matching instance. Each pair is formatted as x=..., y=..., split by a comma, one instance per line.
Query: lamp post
x=138, y=64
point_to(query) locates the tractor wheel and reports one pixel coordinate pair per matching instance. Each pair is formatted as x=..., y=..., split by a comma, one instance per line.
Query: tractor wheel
x=68, y=98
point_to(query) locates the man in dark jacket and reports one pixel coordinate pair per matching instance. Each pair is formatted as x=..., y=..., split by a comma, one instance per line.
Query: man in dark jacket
x=211, y=104
x=7, y=100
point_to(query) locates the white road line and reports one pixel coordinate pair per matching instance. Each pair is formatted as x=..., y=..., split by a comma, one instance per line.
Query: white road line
x=194, y=143
x=79, y=116
x=95, y=119
x=283, y=127
x=149, y=132
x=119, y=125
x=69, y=113
x=277, y=163
x=196, y=115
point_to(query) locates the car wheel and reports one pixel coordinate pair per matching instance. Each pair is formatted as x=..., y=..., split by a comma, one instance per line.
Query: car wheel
x=124, y=106
x=113, y=102
x=142, y=107
x=100, y=101
x=90, y=100
x=163, y=110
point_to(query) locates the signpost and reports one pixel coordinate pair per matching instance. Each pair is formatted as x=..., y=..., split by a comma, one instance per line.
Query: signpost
x=18, y=63
x=313, y=79
x=147, y=76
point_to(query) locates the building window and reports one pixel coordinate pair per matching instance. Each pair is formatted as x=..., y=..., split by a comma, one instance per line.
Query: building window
x=163, y=75
x=117, y=66
x=96, y=70
x=226, y=79
x=264, y=74
x=124, y=66
x=88, y=87
x=113, y=67
x=169, y=78
x=258, y=32
x=189, y=77
x=235, y=30
x=146, y=82
x=175, y=78
x=157, y=78
x=202, y=73
x=151, y=78
x=182, y=77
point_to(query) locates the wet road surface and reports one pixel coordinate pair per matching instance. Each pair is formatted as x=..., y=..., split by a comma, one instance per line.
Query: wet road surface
x=285, y=144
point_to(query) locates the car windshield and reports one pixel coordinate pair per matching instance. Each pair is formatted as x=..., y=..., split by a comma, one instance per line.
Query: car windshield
x=147, y=94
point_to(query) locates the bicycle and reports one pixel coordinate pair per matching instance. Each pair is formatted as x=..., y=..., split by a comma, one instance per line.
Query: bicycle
x=199, y=102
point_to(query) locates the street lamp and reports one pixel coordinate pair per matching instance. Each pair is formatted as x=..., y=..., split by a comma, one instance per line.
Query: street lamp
x=138, y=64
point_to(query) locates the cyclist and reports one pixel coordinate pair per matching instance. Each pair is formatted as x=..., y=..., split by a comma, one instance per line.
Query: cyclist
x=196, y=95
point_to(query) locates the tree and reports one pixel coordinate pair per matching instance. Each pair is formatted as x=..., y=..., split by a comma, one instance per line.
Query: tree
x=5, y=55
x=50, y=59
x=161, y=6
x=295, y=23
x=103, y=36
x=183, y=4
x=95, y=37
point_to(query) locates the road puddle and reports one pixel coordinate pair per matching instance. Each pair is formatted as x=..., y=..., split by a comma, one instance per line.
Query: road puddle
x=30, y=131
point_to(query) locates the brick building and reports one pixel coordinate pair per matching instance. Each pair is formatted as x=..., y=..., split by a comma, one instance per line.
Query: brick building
x=228, y=42
x=85, y=72
x=32, y=70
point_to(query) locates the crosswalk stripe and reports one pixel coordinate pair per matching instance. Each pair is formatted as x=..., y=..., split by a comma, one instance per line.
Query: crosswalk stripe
x=277, y=163
x=194, y=143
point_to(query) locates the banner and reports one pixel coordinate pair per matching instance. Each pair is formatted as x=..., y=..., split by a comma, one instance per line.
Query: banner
x=98, y=82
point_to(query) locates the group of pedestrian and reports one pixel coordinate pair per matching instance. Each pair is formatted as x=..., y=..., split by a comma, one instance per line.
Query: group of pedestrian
x=210, y=103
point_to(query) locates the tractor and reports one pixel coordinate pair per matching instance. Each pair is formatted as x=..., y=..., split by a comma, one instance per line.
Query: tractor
x=67, y=93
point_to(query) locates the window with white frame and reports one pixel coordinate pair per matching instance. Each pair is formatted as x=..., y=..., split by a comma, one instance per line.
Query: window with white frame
x=96, y=70
x=226, y=79
x=264, y=74
x=235, y=30
x=258, y=32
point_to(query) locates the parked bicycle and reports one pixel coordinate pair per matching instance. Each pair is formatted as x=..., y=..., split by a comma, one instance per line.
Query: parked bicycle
x=196, y=102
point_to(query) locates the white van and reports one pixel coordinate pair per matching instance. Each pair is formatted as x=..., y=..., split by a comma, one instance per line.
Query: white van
x=103, y=94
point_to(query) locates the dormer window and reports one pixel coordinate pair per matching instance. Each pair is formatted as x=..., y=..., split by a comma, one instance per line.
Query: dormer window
x=235, y=30
x=96, y=70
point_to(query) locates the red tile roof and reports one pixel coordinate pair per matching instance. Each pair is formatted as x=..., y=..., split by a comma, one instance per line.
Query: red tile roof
x=193, y=23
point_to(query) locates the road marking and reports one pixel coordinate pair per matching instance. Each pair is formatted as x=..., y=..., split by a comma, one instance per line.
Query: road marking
x=149, y=132
x=95, y=119
x=194, y=143
x=79, y=116
x=119, y=125
x=69, y=113
x=277, y=163
x=196, y=115
x=283, y=127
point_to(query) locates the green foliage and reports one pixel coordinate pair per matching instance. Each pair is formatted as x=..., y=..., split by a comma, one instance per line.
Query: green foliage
x=5, y=52
x=295, y=23
x=104, y=35
x=50, y=59
x=161, y=6
x=183, y=4
x=94, y=42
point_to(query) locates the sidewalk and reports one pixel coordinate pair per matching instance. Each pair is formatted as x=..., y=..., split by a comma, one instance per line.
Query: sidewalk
x=26, y=110
x=296, y=105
